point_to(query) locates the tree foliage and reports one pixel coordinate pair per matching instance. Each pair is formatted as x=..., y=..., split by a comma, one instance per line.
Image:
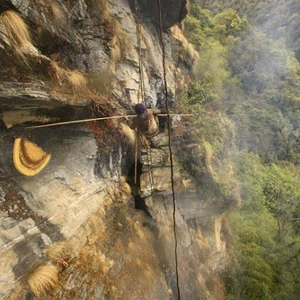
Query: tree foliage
x=246, y=103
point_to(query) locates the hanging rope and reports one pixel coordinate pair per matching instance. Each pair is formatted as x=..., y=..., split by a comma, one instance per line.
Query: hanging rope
x=170, y=148
x=141, y=92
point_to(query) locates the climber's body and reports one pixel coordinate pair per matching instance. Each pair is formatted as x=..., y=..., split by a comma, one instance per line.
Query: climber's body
x=146, y=121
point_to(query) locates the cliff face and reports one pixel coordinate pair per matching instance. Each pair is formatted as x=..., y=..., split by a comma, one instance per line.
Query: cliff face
x=172, y=12
x=75, y=222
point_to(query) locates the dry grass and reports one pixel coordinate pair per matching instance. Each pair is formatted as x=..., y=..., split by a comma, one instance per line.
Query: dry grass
x=95, y=224
x=189, y=52
x=44, y=279
x=60, y=253
x=126, y=189
x=57, y=14
x=76, y=80
x=18, y=35
x=99, y=9
x=71, y=79
x=115, y=51
x=122, y=180
x=19, y=292
x=92, y=259
x=150, y=50
x=96, y=265
x=112, y=195
x=142, y=268
x=208, y=156
x=101, y=82
x=203, y=247
x=103, y=9
x=120, y=43
x=129, y=133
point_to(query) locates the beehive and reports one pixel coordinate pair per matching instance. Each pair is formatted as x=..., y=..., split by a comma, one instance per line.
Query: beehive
x=29, y=159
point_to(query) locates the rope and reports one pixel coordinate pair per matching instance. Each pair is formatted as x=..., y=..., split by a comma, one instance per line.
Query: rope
x=136, y=156
x=141, y=92
x=170, y=148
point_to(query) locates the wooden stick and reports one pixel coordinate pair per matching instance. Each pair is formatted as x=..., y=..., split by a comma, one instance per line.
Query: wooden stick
x=182, y=115
x=79, y=121
x=97, y=119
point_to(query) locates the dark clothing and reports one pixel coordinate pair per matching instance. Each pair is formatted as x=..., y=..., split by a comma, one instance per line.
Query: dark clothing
x=146, y=123
x=142, y=121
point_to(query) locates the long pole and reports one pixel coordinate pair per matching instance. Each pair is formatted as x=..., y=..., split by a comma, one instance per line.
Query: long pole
x=79, y=121
x=97, y=119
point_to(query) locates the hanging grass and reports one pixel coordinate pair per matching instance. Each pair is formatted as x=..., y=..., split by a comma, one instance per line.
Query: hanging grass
x=44, y=279
x=57, y=14
x=18, y=36
x=71, y=78
x=208, y=156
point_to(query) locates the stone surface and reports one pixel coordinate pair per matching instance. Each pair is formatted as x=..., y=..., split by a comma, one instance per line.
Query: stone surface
x=26, y=95
x=52, y=205
x=172, y=12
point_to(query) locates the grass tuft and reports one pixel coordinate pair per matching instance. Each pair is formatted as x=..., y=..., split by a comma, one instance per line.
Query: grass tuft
x=44, y=279
x=208, y=156
x=18, y=35
x=120, y=43
x=188, y=53
x=101, y=82
x=103, y=8
x=100, y=9
x=126, y=189
x=115, y=51
x=129, y=133
x=76, y=80
x=60, y=253
x=57, y=14
x=72, y=79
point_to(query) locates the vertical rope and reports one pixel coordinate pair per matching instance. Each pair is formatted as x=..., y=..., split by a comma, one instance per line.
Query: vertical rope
x=141, y=64
x=141, y=83
x=141, y=91
x=170, y=148
x=136, y=156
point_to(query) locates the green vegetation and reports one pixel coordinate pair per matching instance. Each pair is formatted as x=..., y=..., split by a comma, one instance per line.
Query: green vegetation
x=246, y=103
x=266, y=241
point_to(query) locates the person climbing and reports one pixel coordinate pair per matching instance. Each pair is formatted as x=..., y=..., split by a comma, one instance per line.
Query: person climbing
x=146, y=121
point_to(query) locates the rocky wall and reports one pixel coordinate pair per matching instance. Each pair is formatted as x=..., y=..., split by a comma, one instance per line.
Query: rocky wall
x=77, y=217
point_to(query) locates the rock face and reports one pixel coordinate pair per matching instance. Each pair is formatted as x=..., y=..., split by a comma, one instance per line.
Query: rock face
x=172, y=12
x=49, y=207
x=78, y=216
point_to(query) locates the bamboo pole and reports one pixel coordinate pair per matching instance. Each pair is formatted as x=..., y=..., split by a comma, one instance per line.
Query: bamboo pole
x=79, y=121
x=182, y=115
x=97, y=119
